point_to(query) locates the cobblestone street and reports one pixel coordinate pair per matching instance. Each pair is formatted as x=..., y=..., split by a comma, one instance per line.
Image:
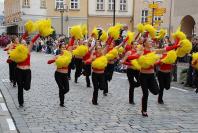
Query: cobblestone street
x=41, y=112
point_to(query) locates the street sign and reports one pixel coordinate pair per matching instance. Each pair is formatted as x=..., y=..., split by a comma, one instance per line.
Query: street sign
x=161, y=10
x=153, y=6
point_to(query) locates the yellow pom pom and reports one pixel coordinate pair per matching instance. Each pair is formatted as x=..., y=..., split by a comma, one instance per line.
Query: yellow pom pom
x=195, y=58
x=149, y=28
x=100, y=63
x=119, y=26
x=30, y=27
x=45, y=28
x=135, y=65
x=67, y=53
x=76, y=32
x=114, y=52
x=131, y=37
x=95, y=33
x=185, y=48
x=148, y=60
x=80, y=51
x=179, y=35
x=114, y=32
x=161, y=34
x=63, y=60
x=109, y=56
x=140, y=28
x=104, y=36
x=170, y=58
x=19, y=54
x=84, y=29
x=120, y=50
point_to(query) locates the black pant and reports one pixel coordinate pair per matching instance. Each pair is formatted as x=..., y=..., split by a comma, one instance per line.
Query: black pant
x=108, y=76
x=164, y=83
x=174, y=72
x=190, y=76
x=79, y=65
x=148, y=82
x=196, y=78
x=12, y=71
x=98, y=83
x=23, y=82
x=71, y=67
x=87, y=73
x=131, y=74
x=63, y=85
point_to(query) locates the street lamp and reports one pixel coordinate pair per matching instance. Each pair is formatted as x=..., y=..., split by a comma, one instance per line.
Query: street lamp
x=62, y=8
x=114, y=12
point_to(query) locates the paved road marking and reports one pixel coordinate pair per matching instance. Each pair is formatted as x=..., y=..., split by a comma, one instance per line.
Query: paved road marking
x=0, y=95
x=121, y=78
x=3, y=106
x=5, y=80
x=176, y=88
x=11, y=124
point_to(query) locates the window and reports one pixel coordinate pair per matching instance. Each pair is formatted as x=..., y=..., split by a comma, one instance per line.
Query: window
x=26, y=3
x=123, y=5
x=74, y=4
x=100, y=5
x=144, y=16
x=157, y=18
x=43, y=4
x=59, y=4
x=111, y=5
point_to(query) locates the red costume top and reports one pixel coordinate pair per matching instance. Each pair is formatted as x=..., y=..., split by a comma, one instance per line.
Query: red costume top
x=26, y=62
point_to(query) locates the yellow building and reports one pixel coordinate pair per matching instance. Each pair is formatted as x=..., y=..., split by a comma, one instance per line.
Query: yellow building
x=100, y=13
x=143, y=13
x=75, y=12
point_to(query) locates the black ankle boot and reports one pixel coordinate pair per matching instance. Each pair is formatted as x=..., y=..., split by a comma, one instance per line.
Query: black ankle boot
x=144, y=114
x=94, y=102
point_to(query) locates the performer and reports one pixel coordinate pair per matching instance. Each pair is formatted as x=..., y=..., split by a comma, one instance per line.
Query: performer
x=147, y=75
x=87, y=64
x=79, y=65
x=98, y=78
x=71, y=66
x=132, y=72
x=164, y=73
x=12, y=64
x=61, y=74
x=109, y=70
x=23, y=72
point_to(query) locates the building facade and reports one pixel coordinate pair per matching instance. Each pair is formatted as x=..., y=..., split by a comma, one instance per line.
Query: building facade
x=75, y=12
x=17, y=12
x=185, y=13
x=100, y=13
x=143, y=13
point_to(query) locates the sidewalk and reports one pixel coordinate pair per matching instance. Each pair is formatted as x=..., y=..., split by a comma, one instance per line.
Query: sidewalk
x=6, y=123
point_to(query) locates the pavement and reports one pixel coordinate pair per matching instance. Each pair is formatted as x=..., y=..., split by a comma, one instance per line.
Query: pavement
x=41, y=112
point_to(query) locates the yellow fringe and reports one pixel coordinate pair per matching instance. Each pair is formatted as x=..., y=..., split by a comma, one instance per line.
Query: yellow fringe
x=30, y=27
x=19, y=54
x=100, y=63
x=64, y=60
x=76, y=32
x=148, y=60
x=80, y=51
x=185, y=48
x=140, y=28
x=170, y=58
